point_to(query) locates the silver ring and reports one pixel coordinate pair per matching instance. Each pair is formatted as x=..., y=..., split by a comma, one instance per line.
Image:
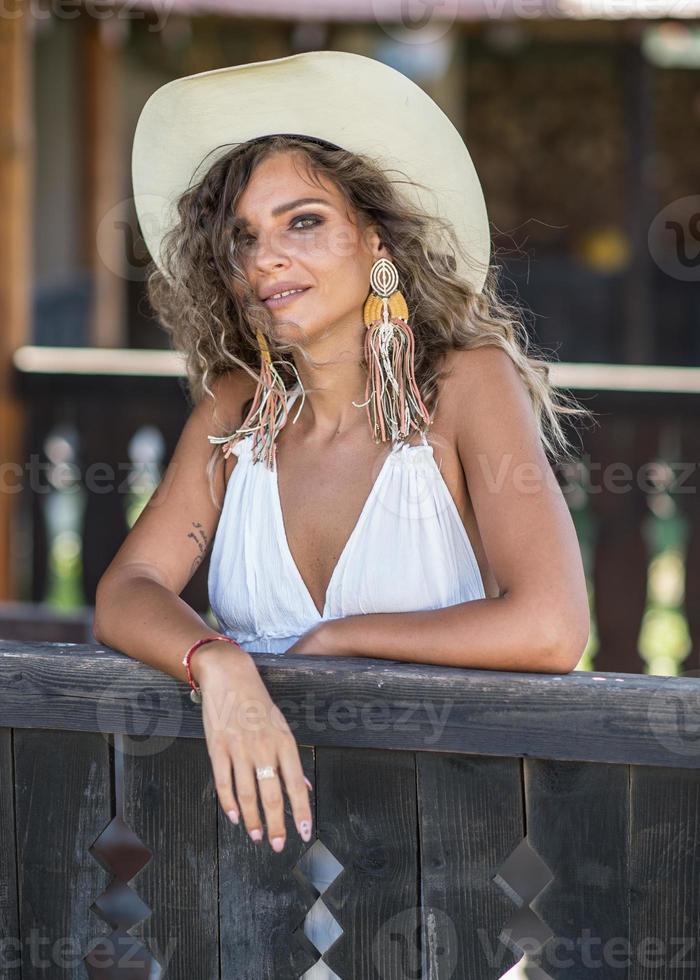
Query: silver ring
x=265, y=772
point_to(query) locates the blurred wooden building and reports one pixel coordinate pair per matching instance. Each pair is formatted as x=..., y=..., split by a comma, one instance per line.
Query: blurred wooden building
x=581, y=116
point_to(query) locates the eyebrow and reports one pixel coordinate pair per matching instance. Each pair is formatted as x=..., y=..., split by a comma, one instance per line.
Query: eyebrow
x=281, y=208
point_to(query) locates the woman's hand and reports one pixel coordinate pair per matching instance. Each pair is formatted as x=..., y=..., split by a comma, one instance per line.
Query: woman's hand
x=245, y=729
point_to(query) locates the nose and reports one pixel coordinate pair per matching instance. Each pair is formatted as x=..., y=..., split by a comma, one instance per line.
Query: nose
x=270, y=252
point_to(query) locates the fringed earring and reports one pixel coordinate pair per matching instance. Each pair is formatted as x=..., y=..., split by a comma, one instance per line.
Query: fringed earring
x=392, y=393
x=267, y=414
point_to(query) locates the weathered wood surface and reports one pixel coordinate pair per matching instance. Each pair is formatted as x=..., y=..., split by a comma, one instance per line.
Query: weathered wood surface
x=471, y=819
x=62, y=802
x=464, y=837
x=577, y=817
x=584, y=716
x=9, y=910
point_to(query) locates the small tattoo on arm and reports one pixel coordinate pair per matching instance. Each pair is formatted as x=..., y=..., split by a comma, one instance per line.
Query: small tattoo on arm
x=200, y=539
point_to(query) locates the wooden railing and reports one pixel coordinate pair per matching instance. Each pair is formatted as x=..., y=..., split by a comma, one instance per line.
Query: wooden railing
x=645, y=447
x=474, y=816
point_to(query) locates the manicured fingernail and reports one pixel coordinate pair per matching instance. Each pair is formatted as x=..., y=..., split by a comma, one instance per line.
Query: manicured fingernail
x=305, y=830
x=232, y=815
x=277, y=843
x=256, y=834
x=308, y=784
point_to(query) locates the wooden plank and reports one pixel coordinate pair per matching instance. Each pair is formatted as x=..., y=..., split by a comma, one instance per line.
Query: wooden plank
x=264, y=899
x=577, y=822
x=10, y=939
x=121, y=362
x=62, y=805
x=40, y=621
x=367, y=820
x=470, y=813
x=581, y=716
x=664, y=873
x=168, y=804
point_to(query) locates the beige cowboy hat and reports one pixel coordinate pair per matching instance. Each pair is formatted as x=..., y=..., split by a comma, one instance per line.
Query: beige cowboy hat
x=349, y=100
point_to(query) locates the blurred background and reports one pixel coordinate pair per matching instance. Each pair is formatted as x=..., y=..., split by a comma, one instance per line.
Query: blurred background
x=583, y=121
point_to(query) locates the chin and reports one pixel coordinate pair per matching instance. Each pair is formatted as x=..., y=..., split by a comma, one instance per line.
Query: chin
x=307, y=330
x=288, y=329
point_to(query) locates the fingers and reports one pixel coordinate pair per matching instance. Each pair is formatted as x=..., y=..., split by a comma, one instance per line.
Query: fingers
x=289, y=775
x=294, y=779
x=223, y=781
x=247, y=793
x=273, y=805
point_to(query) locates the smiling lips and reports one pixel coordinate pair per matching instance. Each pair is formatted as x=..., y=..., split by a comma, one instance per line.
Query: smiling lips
x=283, y=300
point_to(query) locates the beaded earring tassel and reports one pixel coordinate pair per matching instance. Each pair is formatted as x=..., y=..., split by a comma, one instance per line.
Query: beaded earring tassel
x=267, y=414
x=393, y=397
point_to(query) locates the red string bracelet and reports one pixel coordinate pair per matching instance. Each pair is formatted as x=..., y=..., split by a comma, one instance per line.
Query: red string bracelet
x=195, y=691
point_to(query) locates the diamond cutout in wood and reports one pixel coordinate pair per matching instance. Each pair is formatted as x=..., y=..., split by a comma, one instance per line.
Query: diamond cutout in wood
x=321, y=868
x=117, y=956
x=523, y=876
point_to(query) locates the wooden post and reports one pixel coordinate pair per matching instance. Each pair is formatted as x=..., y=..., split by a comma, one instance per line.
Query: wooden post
x=104, y=188
x=638, y=321
x=16, y=156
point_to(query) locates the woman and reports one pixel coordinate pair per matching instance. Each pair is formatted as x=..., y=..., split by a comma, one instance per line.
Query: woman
x=347, y=531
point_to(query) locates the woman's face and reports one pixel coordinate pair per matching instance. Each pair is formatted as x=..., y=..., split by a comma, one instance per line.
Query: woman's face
x=316, y=245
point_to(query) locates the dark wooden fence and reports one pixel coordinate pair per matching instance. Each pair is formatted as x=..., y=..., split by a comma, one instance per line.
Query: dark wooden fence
x=644, y=449
x=475, y=815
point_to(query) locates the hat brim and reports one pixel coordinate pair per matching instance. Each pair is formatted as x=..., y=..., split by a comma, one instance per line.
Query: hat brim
x=350, y=100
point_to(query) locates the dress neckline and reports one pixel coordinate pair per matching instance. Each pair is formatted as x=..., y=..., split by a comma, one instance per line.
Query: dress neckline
x=397, y=446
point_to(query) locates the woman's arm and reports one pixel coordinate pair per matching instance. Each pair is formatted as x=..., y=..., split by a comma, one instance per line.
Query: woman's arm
x=138, y=609
x=142, y=617
x=540, y=622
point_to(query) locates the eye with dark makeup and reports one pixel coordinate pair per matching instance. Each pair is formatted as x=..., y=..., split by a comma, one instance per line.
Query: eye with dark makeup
x=245, y=241
x=308, y=217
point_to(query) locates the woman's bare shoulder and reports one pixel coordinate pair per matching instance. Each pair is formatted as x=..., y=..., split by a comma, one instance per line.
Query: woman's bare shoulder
x=230, y=389
x=461, y=364
x=225, y=411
